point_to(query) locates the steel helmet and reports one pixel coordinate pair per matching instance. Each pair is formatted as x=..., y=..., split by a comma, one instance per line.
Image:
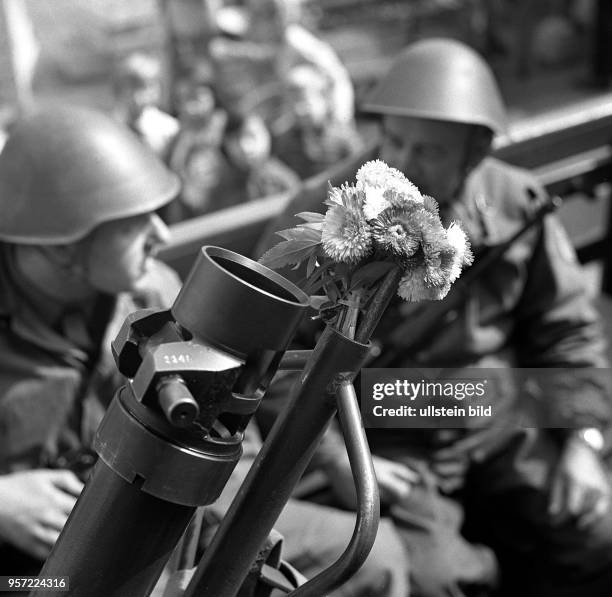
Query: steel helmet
x=65, y=170
x=441, y=79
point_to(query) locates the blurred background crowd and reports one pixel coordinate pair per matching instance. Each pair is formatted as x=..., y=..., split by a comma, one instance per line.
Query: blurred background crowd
x=243, y=98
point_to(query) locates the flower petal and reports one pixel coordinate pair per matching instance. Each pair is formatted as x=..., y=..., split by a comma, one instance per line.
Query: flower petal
x=346, y=235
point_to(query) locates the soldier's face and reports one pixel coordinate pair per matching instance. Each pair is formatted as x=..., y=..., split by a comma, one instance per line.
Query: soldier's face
x=118, y=254
x=431, y=153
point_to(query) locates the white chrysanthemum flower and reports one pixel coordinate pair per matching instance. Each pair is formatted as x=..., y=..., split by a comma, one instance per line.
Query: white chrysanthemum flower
x=334, y=194
x=375, y=202
x=414, y=286
x=457, y=238
x=378, y=173
x=346, y=235
x=379, y=182
x=396, y=231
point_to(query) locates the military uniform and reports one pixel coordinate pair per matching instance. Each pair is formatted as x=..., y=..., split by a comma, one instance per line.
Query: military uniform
x=529, y=310
x=57, y=377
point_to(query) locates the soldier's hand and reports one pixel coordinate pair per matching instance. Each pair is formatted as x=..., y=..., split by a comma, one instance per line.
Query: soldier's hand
x=34, y=506
x=450, y=470
x=395, y=480
x=580, y=488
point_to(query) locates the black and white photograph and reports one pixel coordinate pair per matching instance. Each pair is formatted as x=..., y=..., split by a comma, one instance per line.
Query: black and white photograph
x=306, y=298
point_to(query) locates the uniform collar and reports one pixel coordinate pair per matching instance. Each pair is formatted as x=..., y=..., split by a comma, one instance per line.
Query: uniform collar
x=474, y=210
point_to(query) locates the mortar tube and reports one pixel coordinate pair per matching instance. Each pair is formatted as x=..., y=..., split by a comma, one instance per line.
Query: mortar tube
x=139, y=499
x=106, y=559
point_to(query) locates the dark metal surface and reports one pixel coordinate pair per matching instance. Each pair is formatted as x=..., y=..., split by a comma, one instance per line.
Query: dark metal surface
x=124, y=538
x=226, y=302
x=278, y=467
x=165, y=465
x=294, y=360
x=177, y=402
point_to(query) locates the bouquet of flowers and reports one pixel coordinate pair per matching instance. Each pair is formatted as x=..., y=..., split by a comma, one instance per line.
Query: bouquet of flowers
x=378, y=236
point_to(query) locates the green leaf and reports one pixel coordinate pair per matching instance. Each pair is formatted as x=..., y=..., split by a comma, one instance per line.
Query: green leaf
x=301, y=233
x=314, y=281
x=312, y=226
x=310, y=216
x=312, y=264
x=370, y=273
x=290, y=252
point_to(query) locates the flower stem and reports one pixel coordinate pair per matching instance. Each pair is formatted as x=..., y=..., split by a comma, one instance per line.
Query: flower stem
x=379, y=302
x=348, y=319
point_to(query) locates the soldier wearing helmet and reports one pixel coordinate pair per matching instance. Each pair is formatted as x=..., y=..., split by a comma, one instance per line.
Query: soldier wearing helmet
x=533, y=501
x=78, y=235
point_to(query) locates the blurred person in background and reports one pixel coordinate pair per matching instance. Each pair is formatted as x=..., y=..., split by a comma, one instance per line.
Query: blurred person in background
x=228, y=163
x=307, y=137
x=277, y=24
x=201, y=123
x=249, y=148
x=196, y=154
x=137, y=87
